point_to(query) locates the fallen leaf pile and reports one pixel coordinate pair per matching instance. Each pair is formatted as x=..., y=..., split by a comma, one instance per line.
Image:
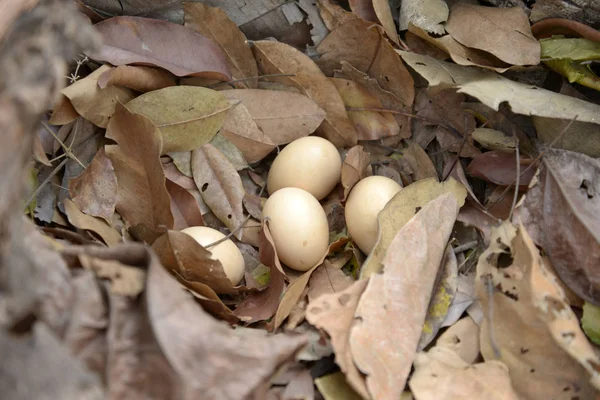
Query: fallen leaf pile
x=484, y=261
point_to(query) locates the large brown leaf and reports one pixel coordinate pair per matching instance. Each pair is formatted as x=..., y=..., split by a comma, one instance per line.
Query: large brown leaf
x=140, y=78
x=143, y=41
x=279, y=58
x=213, y=23
x=500, y=168
x=561, y=213
x=142, y=197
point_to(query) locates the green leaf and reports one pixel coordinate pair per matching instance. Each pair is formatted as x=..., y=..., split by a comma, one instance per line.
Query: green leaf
x=559, y=47
x=590, y=322
x=575, y=72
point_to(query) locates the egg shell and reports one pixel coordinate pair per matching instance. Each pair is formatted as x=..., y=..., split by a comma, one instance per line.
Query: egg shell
x=310, y=163
x=367, y=198
x=299, y=227
x=226, y=252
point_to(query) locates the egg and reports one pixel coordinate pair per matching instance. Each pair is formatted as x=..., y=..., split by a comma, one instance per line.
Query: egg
x=310, y=163
x=299, y=227
x=226, y=252
x=367, y=198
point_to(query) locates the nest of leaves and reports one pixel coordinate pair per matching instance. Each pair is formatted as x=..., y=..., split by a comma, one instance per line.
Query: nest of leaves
x=484, y=260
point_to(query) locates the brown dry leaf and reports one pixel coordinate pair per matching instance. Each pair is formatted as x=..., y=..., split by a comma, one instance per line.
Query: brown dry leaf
x=362, y=45
x=214, y=24
x=333, y=15
x=327, y=279
x=384, y=15
x=392, y=309
x=532, y=329
x=144, y=41
x=38, y=152
x=388, y=99
x=109, y=235
x=142, y=79
x=209, y=300
x=500, y=168
x=125, y=280
x=493, y=139
x=561, y=213
x=230, y=151
x=63, y=112
x=364, y=9
x=503, y=32
x=241, y=130
x=356, y=166
x=430, y=15
x=400, y=209
x=184, y=207
x=282, y=116
x=220, y=186
x=370, y=125
x=419, y=162
x=279, y=58
x=463, y=338
x=440, y=374
x=95, y=190
x=334, y=313
x=93, y=103
x=335, y=387
x=183, y=161
x=186, y=116
x=180, y=253
x=263, y=305
x=142, y=198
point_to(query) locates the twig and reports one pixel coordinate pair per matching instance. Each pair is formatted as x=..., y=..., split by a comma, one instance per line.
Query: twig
x=464, y=247
x=516, y=196
x=490, y=292
x=75, y=75
x=66, y=149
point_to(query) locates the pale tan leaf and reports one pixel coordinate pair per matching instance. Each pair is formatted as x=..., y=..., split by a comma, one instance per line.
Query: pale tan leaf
x=109, y=235
x=327, y=279
x=462, y=338
x=140, y=78
x=126, y=280
x=357, y=165
x=335, y=387
x=392, y=309
x=384, y=15
x=63, y=112
x=429, y=15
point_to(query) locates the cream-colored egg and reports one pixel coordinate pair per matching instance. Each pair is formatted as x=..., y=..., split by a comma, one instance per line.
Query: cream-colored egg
x=367, y=198
x=310, y=163
x=299, y=227
x=226, y=252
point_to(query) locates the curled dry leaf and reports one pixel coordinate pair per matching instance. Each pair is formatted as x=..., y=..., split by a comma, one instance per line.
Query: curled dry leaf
x=392, y=309
x=93, y=103
x=281, y=116
x=531, y=329
x=384, y=15
x=400, y=209
x=440, y=374
x=362, y=45
x=144, y=41
x=370, y=125
x=462, y=338
x=186, y=116
x=503, y=32
x=279, y=58
x=364, y=9
x=213, y=23
x=142, y=198
x=63, y=112
x=184, y=207
x=142, y=79
x=356, y=166
x=109, y=235
x=95, y=190
x=212, y=360
x=334, y=313
x=220, y=186
x=561, y=213
x=500, y=168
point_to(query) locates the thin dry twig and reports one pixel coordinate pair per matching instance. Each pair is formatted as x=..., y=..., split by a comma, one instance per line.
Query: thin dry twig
x=516, y=196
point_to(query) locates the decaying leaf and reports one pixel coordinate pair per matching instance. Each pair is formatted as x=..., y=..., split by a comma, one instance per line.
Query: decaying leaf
x=356, y=166
x=93, y=103
x=426, y=14
x=531, y=328
x=186, y=116
x=220, y=186
x=500, y=167
x=582, y=137
x=109, y=235
x=184, y=207
x=143, y=41
x=140, y=78
x=392, y=309
x=400, y=209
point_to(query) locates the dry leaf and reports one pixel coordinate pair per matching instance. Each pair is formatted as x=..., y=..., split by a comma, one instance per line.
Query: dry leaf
x=462, y=338
x=503, y=32
x=125, y=280
x=400, y=209
x=361, y=44
x=561, y=213
x=142, y=198
x=184, y=205
x=282, y=116
x=440, y=374
x=493, y=139
x=144, y=41
x=392, y=309
x=230, y=151
x=139, y=78
x=335, y=387
x=364, y=9
x=384, y=15
x=214, y=24
x=63, y=112
x=500, y=168
x=183, y=161
x=95, y=190
x=279, y=58
x=220, y=186
x=581, y=137
x=370, y=125
x=333, y=15
x=429, y=15
x=335, y=314
x=356, y=166
x=93, y=103
x=186, y=116
x=327, y=280
x=109, y=235
x=419, y=162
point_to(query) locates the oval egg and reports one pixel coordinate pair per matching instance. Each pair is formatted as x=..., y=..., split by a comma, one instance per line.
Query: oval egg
x=310, y=163
x=299, y=227
x=367, y=198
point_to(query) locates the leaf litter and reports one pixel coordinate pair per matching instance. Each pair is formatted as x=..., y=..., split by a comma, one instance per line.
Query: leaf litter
x=475, y=286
